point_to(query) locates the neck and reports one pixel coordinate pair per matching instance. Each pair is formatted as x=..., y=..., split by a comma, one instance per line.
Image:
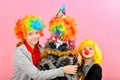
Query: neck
x=87, y=61
x=31, y=45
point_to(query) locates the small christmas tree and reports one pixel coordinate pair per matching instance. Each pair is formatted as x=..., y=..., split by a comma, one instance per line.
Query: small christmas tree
x=60, y=47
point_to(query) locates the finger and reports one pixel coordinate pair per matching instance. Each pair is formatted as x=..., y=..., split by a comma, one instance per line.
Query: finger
x=76, y=66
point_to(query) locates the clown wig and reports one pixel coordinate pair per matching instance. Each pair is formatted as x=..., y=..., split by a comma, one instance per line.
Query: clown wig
x=28, y=23
x=89, y=42
x=63, y=26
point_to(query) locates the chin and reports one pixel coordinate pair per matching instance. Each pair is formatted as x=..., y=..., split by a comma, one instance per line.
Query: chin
x=34, y=43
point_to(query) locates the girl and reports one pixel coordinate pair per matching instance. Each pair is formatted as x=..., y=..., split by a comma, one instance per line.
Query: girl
x=91, y=61
x=27, y=53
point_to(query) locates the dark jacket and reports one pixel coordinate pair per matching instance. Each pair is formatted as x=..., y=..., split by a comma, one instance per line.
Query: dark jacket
x=95, y=73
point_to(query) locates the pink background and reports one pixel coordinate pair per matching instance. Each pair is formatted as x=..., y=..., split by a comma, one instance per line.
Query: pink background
x=97, y=19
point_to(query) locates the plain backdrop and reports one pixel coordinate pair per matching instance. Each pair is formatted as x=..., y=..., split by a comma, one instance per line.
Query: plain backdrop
x=96, y=19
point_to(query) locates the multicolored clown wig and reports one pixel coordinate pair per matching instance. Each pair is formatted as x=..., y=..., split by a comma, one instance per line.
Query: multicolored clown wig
x=89, y=42
x=28, y=23
x=63, y=26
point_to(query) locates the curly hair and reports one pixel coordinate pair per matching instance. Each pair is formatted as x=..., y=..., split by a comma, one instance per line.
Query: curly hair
x=89, y=42
x=28, y=23
x=64, y=27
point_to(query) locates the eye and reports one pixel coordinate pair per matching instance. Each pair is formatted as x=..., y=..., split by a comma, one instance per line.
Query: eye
x=84, y=49
x=30, y=33
x=37, y=32
x=90, y=48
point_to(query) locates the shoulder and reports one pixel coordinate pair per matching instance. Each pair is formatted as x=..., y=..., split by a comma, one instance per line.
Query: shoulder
x=41, y=48
x=21, y=46
x=20, y=49
x=96, y=67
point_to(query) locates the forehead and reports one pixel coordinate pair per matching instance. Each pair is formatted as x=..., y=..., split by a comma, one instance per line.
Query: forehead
x=87, y=47
x=32, y=31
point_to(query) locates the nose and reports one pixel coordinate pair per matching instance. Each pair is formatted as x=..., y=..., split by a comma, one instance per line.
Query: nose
x=86, y=52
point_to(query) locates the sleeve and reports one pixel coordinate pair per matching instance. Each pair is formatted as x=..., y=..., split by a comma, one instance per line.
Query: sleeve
x=25, y=64
x=95, y=73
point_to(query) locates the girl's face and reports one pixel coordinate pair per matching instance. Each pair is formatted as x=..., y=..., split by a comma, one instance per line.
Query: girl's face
x=88, y=52
x=32, y=37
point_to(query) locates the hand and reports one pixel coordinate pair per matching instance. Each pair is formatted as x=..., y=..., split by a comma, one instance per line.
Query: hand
x=70, y=69
x=79, y=58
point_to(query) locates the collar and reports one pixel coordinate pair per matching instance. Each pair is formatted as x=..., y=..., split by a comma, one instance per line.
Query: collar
x=90, y=64
x=31, y=50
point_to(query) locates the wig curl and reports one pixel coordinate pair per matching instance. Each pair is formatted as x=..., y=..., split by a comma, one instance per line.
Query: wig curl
x=64, y=27
x=28, y=23
x=89, y=42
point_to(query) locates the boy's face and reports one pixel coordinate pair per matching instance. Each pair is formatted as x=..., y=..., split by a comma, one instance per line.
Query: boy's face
x=32, y=37
x=88, y=52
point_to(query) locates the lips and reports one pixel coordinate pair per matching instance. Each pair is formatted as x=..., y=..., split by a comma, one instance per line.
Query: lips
x=86, y=52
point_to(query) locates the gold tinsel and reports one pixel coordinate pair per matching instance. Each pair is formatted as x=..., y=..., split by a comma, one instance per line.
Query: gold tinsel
x=58, y=53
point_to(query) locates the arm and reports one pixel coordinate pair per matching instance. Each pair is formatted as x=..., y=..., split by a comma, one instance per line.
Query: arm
x=26, y=65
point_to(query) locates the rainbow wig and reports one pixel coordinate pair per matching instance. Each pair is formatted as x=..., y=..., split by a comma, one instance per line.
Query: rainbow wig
x=64, y=27
x=89, y=42
x=28, y=23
